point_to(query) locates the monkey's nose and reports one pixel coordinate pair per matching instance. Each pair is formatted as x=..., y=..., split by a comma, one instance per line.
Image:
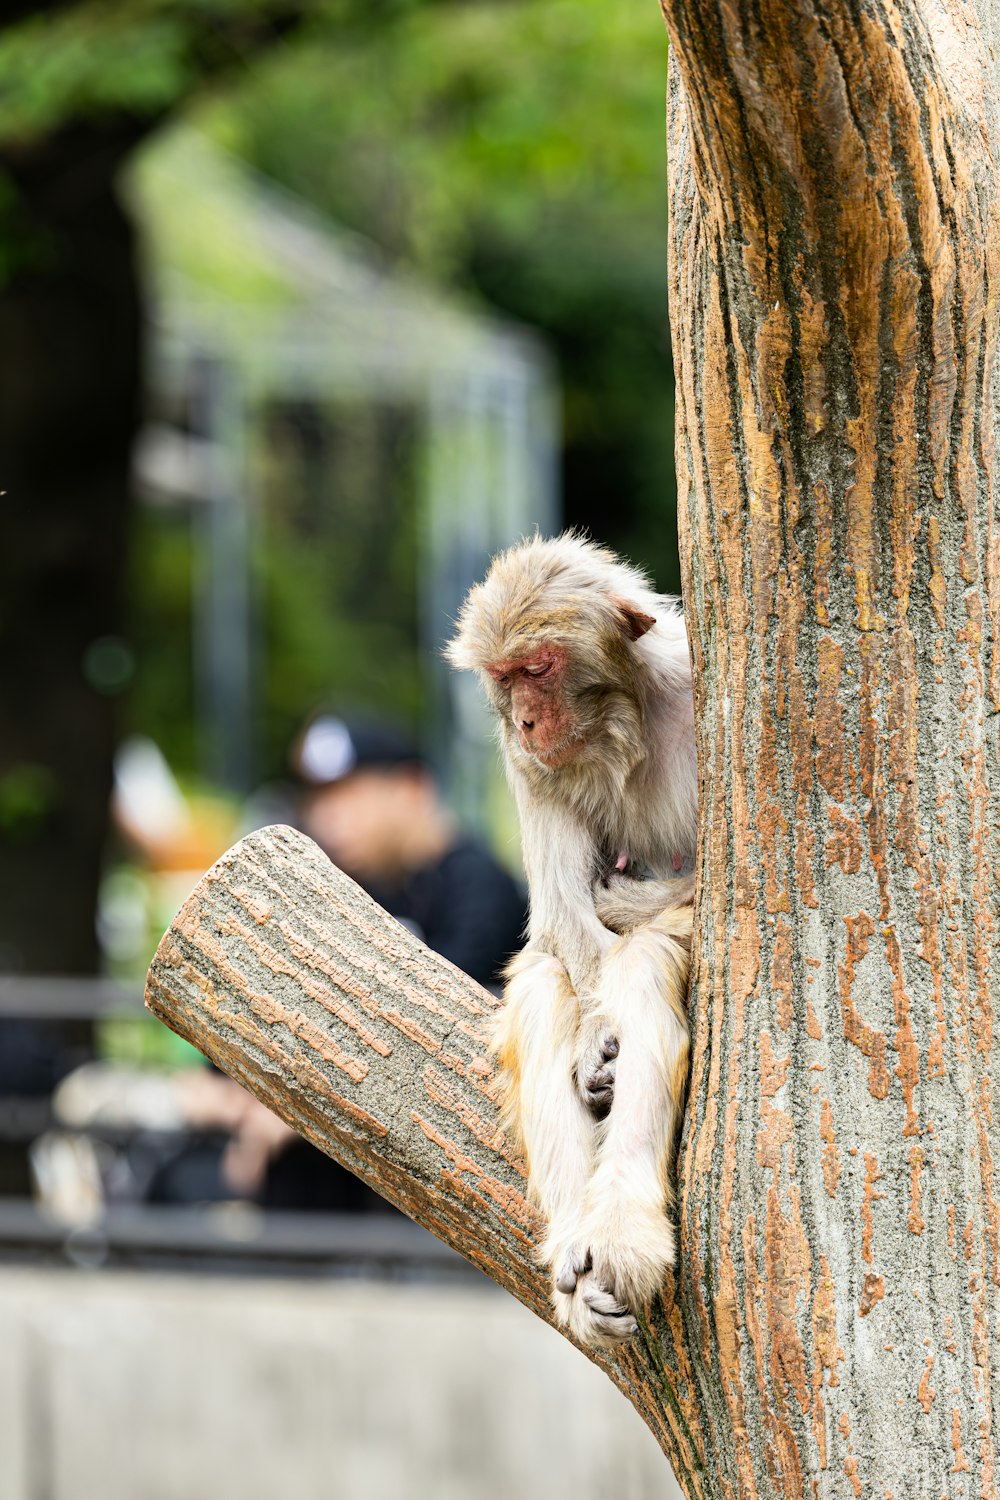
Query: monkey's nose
x=527, y=725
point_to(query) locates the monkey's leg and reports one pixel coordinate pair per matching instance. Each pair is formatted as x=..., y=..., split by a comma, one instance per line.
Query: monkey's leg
x=624, y=903
x=642, y=992
x=535, y=1040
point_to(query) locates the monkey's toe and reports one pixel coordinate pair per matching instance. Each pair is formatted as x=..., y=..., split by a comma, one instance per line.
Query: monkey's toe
x=597, y=1316
x=570, y=1269
x=632, y=1252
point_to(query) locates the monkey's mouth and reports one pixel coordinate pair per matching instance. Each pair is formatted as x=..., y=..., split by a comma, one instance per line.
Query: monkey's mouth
x=554, y=757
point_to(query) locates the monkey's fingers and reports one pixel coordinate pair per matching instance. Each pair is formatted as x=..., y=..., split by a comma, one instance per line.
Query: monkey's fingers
x=599, y=1091
x=596, y=1076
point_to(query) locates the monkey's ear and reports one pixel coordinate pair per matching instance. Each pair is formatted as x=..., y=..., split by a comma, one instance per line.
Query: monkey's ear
x=635, y=622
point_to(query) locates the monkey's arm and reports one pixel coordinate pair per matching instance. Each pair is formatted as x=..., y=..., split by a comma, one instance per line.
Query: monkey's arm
x=559, y=861
x=623, y=903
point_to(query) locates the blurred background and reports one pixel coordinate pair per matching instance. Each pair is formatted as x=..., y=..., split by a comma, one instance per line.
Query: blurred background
x=305, y=310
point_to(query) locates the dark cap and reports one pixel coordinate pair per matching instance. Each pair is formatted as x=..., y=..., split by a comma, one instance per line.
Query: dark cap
x=330, y=748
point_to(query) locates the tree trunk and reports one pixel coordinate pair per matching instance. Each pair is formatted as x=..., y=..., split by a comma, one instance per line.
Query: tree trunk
x=833, y=1331
x=834, y=270
x=69, y=408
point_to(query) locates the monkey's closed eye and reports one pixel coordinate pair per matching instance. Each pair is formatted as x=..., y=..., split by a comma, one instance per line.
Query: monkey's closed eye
x=539, y=671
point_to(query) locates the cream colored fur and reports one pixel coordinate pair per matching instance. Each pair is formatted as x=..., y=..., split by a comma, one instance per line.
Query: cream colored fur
x=604, y=1185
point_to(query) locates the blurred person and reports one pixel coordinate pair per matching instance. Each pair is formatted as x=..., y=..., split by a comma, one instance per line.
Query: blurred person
x=34, y=1056
x=372, y=804
x=31, y=1059
x=369, y=799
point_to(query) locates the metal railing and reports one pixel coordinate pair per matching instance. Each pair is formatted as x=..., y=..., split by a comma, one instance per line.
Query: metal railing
x=233, y=1236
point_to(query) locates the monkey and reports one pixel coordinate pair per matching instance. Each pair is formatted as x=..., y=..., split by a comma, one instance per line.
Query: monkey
x=588, y=673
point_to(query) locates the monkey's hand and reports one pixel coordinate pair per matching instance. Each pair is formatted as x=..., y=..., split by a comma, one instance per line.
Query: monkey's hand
x=623, y=903
x=595, y=1066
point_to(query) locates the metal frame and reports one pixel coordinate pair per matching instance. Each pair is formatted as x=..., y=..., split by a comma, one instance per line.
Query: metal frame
x=485, y=392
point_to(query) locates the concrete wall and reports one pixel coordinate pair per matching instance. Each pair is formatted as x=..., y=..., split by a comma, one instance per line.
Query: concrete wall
x=120, y=1386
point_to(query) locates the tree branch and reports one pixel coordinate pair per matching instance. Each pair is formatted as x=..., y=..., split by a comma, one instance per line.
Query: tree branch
x=288, y=976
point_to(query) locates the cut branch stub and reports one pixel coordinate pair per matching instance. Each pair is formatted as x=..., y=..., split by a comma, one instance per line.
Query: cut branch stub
x=288, y=976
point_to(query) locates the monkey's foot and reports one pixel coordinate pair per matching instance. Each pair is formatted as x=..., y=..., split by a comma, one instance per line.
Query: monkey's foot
x=632, y=1246
x=596, y=1317
x=595, y=1072
x=590, y=1311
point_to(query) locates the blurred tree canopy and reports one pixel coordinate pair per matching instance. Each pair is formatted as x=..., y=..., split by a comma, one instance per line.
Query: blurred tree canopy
x=514, y=151
x=80, y=85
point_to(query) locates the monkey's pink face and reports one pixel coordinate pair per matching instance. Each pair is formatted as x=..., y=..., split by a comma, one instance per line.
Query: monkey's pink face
x=545, y=725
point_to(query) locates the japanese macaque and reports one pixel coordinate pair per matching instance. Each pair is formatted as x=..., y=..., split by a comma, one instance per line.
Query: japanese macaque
x=588, y=672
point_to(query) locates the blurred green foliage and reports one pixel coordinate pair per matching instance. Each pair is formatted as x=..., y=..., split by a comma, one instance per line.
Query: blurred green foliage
x=514, y=152
x=97, y=58
x=517, y=152
x=463, y=117
x=337, y=580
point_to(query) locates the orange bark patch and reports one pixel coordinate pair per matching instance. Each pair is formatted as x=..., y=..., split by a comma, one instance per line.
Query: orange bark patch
x=782, y=982
x=908, y=1068
x=961, y=1464
x=872, y=1292
x=787, y=1255
x=774, y=1134
x=872, y=1043
x=772, y=1069
x=925, y=1391
x=772, y=826
x=843, y=847
x=851, y=1471
x=831, y=1156
x=936, y=586
x=872, y=1175
x=256, y=906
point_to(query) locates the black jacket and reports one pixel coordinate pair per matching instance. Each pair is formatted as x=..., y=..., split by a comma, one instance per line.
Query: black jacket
x=466, y=907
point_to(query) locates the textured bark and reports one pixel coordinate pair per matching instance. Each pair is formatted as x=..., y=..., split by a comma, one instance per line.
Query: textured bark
x=290, y=978
x=834, y=279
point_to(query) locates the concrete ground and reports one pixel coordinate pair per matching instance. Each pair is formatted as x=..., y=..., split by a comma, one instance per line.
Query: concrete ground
x=129, y=1386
